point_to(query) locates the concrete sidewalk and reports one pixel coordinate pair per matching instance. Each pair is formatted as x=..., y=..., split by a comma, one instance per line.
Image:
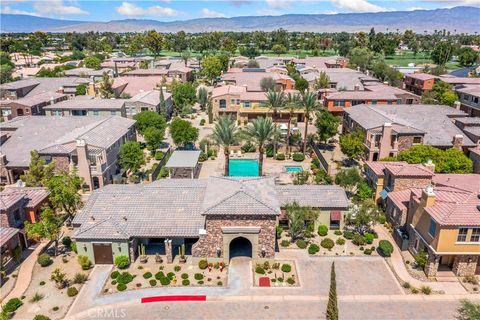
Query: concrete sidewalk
x=396, y=261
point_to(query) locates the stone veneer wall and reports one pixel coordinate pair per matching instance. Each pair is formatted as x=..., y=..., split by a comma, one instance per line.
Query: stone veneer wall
x=207, y=245
x=462, y=267
x=62, y=163
x=400, y=184
x=405, y=143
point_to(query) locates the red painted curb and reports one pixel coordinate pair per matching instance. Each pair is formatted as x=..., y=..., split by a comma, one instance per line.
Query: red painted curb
x=173, y=298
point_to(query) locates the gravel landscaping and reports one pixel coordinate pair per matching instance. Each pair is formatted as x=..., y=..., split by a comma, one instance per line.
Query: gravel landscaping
x=282, y=273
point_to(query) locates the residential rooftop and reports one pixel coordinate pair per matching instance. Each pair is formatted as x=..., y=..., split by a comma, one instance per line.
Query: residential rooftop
x=92, y=103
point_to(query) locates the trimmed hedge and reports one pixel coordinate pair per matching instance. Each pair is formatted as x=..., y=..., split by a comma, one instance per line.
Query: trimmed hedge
x=302, y=244
x=385, y=247
x=297, y=156
x=44, y=260
x=327, y=243
x=313, y=248
x=322, y=230
x=286, y=267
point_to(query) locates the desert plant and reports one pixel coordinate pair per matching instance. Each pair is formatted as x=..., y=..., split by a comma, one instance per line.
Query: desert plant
x=368, y=252
x=12, y=305
x=414, y=290
x=369, y=237
x=302, y=244
x=121, y=286
x=44, y=260
x=125, y=277
x=358, y=239
x=41, y=317
x=286, y=267
x=59, y=278
x=72, y=291
x=203, y=264
x=122, y=262
x=297, y=156
x=177, y=268
x=159, y=275
x=165, y=281
x=259, y=270
x=67, y=241
x=327, y=243
x=198, y=276
x=406, y=285
x=322, y=230
x=84, y=262
x=170, y=275
x=471, y=278
x=421, y=259
x=80, y=278
x=55, y=308
x=426, y=290
x=147, y=275
x=313, y=248
x=37, y=297
x=337, y=232
x=285, y=243
x=280, y=156
x=114, y=274
x=385, y=247
x=340, y=241
x=153, y=282
x=185, y=282
x=347, y=234
x=291, y=281
x=42, y=283
x=184, y=276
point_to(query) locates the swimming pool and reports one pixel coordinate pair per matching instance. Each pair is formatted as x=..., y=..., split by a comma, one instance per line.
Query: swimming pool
x=243, y=168
x=293, y=168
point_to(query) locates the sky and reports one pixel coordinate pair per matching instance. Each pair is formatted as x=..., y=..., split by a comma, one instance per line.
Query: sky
x=170, y=10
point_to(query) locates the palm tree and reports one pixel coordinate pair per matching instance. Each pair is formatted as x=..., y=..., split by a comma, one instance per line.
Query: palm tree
x=225, y=134
x=276, y=102
x=293, y=102
x=309, y=104
x=260, y=130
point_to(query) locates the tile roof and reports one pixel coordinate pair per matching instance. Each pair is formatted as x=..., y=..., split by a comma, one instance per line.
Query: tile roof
x=324, y=197
x=6, y=234
x=86, y=71
x=401, y=198
x=43, y=97
x=42, y=85
x=473, y=90
x=8, y=200
x=421, y=76
x=151, y=97
x=135, y=85
x=33, y=195
x=74, y=104
x=399, y=168
x=252, y=79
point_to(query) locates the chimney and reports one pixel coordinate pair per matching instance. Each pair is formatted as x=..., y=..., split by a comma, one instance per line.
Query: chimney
x=385, y=140
x=3, y=159
x=52, y=101
x=356, y=87
x=60, y=90
x=456, y=105
x=91, y=89
x=358, y=68
x=83, y=162
x=430, y=165
x=457, y=141
x=428, y=196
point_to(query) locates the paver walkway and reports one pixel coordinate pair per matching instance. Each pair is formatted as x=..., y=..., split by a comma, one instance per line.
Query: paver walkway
x=402, y=272
x=25, y=273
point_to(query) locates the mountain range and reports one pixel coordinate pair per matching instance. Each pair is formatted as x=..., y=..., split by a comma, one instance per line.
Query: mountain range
x=459, y=19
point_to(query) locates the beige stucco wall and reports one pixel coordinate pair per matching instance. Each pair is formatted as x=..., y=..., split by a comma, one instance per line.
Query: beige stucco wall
x=448, y=242
x=85, y=248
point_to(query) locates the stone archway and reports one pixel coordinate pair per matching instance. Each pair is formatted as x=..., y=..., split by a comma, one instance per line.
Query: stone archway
x=240, y=247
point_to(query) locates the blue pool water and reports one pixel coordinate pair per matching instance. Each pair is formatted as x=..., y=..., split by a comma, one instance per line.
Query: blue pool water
x=243, y=168
x=293, y=168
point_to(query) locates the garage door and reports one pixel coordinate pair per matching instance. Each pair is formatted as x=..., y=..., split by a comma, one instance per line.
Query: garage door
x=103, y=253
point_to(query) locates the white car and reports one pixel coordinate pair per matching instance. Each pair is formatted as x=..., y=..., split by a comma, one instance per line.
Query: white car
x=283, y=128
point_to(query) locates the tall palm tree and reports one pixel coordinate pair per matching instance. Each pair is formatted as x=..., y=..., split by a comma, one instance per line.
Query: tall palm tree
x=225, y=134
x=293, y=102
x=309, y=104
x=276, y=102
x=260, y=130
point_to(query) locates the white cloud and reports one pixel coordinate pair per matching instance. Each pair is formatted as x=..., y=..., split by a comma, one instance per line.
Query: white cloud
x=456, y=2
x=130, y=10
x=267, y=12
x=278, y=4
x=207, y=13
x=415, y=8
x=9, y=10
x=357, y=6
x=52, y=7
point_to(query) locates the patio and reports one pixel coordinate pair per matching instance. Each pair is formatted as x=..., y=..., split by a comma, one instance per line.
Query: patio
x=183, y=164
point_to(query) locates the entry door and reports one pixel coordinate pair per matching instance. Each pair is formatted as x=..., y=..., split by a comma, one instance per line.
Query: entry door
x=103, y=253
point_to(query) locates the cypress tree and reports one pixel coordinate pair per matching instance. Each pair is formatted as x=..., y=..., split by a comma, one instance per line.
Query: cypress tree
x=332, y=306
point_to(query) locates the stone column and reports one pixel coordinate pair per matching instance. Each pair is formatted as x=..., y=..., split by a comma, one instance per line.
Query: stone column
x=464, y=265
x=431, y=267
x=169, y=250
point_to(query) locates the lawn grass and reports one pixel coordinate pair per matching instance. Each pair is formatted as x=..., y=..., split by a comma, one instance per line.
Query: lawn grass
x=407, y=57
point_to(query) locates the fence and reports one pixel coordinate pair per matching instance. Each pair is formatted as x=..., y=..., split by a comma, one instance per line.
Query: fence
x=321, y=158
x=154, y=175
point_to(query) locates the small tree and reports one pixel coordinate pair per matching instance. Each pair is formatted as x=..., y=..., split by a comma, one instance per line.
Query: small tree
x=48, y=227
x=149, y=119
x=183, y=94
x=131, y=156
x=332, y=305
x=211, y=67
x=348, y=179
x=364, y=192
x=64, y=194
x=351, y=144
x=363, y=216
x=162, y=105
x=81, y=90
x=183, y=132
x=153, y=138
x=225, y=134
x=92, y=62
x=268, y=84
x=38, y=172
x=210, y=110
x=202, y=97
x=468, y=310
x=323, y=81
x=297, y=215
x=106, y=87
x=327, y=125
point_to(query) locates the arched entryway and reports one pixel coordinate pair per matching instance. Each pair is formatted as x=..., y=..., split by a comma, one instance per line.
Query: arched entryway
x=240, y=247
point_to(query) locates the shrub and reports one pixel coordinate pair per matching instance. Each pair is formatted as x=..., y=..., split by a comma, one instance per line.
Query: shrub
x=406, y=285
x=285, y=243
x=327, y=243
x=219, y=283
x=202, y=122
x=153, y=282
x=55, y=308
x=122, y=262
x=44, y=260
x=165, y=281
x=114, y=282
x=302, y=244
x=259, y=270
x=80, y=278
x=138, y=285
x=42, y=317
x=73, y=246
x=297, y=156
x=471, y=278
x=72, y=291
x=198, y=276
x=84, y=262
x=269, y=152
x=177, y=268
x=66, y=241
x=313, y=248
x=286, y=267
x=184, y=275
x=414, y=290
x=42, y=283
x=368, y=252
x=322, y=230
x=170, y=275
x=158, y=155
x=280, y=156
x=248, y=147
x=337, y=232
x=159, y=275
x=385, y=247
x=421, y=259
x=125, y=277
x=114, y=274
x=426, y=290
x=185, y=282
x=369, y=237
x=37, y=297
x=147, y=275
x=381, y=219
x=278, y=231
x=361, y=248
x=12, y=305
x=358, y=239
x=347, y=234
x=200, y=282
x=291, y=281
x=340, y=241
x=203, y=264
x=121, y=286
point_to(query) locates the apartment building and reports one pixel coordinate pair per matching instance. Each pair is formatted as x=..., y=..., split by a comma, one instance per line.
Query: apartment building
x=34, y=86
x=469, y=98
x=31, y=105
x=148, y=101
x=419, y=83
x=87, y=106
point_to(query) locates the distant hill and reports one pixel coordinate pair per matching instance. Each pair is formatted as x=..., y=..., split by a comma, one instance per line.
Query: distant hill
x=461, y=19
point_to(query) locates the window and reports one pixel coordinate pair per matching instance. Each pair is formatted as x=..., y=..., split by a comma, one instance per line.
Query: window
x=222, y=104
x=475, y=237
x=389, y=101
x=95, y=112
x=238, y=101
x=113, y=112
x=462, y=235
x=409, y=101
x=432, y=228
x=417, y=139
x=232, y=101
x=374, y=101
x=247, y=104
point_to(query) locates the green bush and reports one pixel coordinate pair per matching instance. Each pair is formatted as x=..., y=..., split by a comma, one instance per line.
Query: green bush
x=203, y=157
x=385, y=247
x=337, y=232
x=125, y=277
x=80, y=278
x=114, y=274
x=313, y=248
x=322, y=230
x=269, y=152
x=286, y=267
x=291, y=281
x=369, y=237
x=202, y=122
x=248, y=147
x=426, y=290
x=259, y=270
x=185, y=282
x=278, y=231
x=198, y=276
x=44, y=260
x=67, y=241
x=177, y=268
x=280, y=156
x=147, y=275
x=327, y=243
x=285, y=243
x=347, y=234
x=421, y=259
x=72, y=291
x=358, y=239
x=184, y=275
x=367, y=251
x=297, y=156
x=340, y=241
x=170, y=275
x=153, y=282
x=122, y=262
x=315, y=164
x=84, y=262
x=158, y=155
x=121, y=286
x=159, y=275
x=381, y=219
x=165, y=281
x=73, y=246
x=41, y=317
x=302, y=244
x=203, y=264
x=406, y=285
x=12, y=305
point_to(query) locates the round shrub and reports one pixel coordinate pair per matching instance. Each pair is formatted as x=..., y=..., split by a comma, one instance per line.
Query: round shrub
x=12, y=305
x=286, y=267
x=121, y=286
x=165, y=281
x=72, y=291
x=125, y=277
x=203, y=264
x=202, y=122
x=248, y=147
x=114, y=282
x=280, y=156
x=55, y=308
x=322, y=230
x=358, y=240
x=147, y=275
x=327, y=243
x=186, y=282
x=291, y=281
x=369, y=237
x=177, y=268
x=66, y=241
x=114, y=274
x=153, y=282
x=138, y=285
x=44, y=260
x=302, y=244
x=313, y=248
x=41, y=317
x=259, y=270
x=285, y=243
x=170, y=275
x=297, y=156
x=42, y=283
x=122, y=262
x=347, y=234
x=198, y=276
x=158, y=155
x=381, y=219
x=159, y=275
x=184, y=275
x=367, y=251
x=219, y=283
x=340, y=241
x=385, y=247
